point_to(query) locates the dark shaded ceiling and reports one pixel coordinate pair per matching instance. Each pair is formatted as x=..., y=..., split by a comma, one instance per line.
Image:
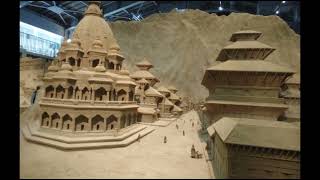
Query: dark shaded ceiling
x=68, y=13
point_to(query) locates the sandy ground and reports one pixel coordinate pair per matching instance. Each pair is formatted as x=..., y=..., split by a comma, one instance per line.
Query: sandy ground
x=149, y=158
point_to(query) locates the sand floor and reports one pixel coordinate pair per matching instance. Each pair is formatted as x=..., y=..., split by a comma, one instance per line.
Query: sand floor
x=149, y=158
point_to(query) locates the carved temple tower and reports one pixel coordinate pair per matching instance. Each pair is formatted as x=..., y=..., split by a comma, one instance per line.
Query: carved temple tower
x=243, y=109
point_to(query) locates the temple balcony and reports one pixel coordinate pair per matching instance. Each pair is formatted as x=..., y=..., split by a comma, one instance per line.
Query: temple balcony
x=45, y=100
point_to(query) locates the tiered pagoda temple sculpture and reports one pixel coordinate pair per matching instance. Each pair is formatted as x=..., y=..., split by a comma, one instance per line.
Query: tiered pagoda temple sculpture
x=291, y=94
x=166, y=106
x=147, y=97
x=176, y=100
x=244, y=91
x=86, y=91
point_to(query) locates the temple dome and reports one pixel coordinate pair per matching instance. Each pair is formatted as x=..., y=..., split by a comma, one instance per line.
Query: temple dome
x=92, y=26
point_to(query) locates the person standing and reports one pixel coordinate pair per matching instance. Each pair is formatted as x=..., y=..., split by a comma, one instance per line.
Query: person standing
x=165, y=139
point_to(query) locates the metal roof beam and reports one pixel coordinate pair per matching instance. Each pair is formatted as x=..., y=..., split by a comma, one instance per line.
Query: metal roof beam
x=123, y=8
x=24, y=3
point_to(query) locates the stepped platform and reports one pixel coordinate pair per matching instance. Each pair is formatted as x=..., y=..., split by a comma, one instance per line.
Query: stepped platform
x=92, y=141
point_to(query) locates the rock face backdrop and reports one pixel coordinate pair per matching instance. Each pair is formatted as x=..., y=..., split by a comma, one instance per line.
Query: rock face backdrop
x=182, y=45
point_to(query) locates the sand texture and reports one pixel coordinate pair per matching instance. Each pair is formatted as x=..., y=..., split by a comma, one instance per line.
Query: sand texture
x=182, y=45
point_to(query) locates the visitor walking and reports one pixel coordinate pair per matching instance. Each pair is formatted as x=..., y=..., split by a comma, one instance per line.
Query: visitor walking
x=165, y=139
x=34, y=95
x=183, y=132
x=193, y=152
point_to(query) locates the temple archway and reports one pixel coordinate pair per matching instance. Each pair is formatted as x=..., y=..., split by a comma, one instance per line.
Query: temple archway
x=60, y=92
x=67, y=122
x=55, y=121
x=78, y=93
x=98, y=123
x=45, y=120
x=49, y=91
x=122, y=95
x=100, y=94
x=85, y=94
x=95, y=62
x=81, y=123
x=131, y=96
x=70, y=92
x=111, y=65
x=111, y=122
x=72, y=61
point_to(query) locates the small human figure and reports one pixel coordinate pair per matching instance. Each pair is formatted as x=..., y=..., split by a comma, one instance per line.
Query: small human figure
x=34, y=95
x=177, y=126
x=183, y=132
x=192, y=124
x=165, y=139
x=138, y=139
x=193, y=152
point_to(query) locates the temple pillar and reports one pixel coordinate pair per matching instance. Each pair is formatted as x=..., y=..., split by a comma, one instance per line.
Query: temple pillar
x=80, y=90
x=90, y=124
x=107, y=98
x=74, y=93
x=65, y=94
x=93, y=96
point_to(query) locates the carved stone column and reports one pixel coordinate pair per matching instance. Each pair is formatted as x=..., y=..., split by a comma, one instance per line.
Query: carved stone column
x=107, y=98
x=74, y=93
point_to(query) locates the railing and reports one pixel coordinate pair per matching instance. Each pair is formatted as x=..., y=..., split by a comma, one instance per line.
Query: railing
x=38, y=45
x=84, y=102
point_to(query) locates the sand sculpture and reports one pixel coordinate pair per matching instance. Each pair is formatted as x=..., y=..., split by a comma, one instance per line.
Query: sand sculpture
x=244, y=92
x=31, y=73
x=88, y=99
x=291, y=94
x=147, y=97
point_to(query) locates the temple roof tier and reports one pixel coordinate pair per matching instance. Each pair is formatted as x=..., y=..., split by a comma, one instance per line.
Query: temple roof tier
x=245, y=35
x=252, y=132
x=163, y=89
x=250, y=66
x=142, y=81
x=153, y=92
x=242, y=103
x=173, y=97
x=176, y=109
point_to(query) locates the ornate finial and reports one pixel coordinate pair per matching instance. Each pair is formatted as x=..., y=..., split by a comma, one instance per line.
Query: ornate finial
x=95, y=2
x=94, y=8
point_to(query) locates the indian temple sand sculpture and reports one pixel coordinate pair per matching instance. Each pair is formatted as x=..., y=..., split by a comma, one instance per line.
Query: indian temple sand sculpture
x=243, y=108
x=291, y=94
x=88, y=99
